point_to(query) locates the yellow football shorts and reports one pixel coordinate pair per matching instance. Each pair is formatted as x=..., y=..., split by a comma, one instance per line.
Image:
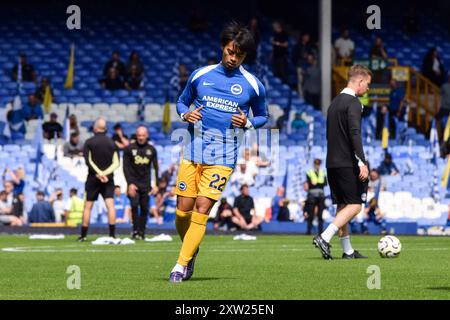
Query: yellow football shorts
x=195, y=180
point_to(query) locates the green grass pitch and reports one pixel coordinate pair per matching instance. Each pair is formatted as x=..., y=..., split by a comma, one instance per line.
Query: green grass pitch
x=272, y=267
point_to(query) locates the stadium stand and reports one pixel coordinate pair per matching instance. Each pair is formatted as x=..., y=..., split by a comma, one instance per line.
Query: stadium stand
x=162, y=46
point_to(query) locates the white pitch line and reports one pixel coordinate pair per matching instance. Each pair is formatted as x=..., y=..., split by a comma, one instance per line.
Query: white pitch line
x=53, y=249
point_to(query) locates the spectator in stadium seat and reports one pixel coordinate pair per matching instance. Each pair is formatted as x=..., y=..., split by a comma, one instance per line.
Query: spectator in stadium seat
x=114, y=63
x=40, y=91
x=133, y=80
x=28, y=72
x=444, y=110
x=244, y=211
x=223, y=220
x=183, y=77
x=56, y=199
x=243, y=176
x=52, y=129
x=312, y=83
x=6, y=214
x=168, y=207
x=73, y=123
x=8, y=187
x=380, y=123
x=298, y=122
x=375, y=182
x=284, y=214
x=42, y=211
x=397, y=100
x=120, y=138
x=170, y=175
x=280, y=46
x=17, y=178
x=433, y=68
x=372, y=213
x=18, y=209
x=74, y=147
x=300, y=53
x=387, y=166
x=112, y=81
x=252, y=162
x=378, y=50
x=344, y=46
x=253, y=26
x=135, y=62
x=122, y=206
x=277, y=202
x=33, y=109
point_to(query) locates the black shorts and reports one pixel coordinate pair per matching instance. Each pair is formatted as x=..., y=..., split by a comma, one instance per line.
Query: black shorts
x=94, y=187
x=346, y=188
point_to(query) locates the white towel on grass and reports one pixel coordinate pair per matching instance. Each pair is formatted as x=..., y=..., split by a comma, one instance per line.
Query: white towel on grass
x=244, y=237
x=161, y=237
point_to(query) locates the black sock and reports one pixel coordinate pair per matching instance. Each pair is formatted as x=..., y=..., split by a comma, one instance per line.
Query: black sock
x=84, y=231
x=112, y=230
x=142, y=224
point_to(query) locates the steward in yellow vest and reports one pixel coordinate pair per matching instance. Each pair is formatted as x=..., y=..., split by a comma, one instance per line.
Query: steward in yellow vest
x=315, y=202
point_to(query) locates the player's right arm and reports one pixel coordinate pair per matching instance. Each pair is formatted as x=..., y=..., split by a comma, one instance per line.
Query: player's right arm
x=187, y=97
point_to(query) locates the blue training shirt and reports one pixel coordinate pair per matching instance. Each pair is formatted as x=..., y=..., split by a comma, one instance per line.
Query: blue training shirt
x=221, y=92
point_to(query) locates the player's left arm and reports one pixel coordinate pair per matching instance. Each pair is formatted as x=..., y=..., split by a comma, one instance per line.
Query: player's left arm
x=259, y=108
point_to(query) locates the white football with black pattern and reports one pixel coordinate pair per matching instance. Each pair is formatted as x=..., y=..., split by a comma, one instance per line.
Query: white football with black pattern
x=389, y=247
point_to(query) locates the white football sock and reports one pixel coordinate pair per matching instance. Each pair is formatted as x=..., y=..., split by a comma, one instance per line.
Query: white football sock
x=178, y=268
x=329, y=232
x=346, y=245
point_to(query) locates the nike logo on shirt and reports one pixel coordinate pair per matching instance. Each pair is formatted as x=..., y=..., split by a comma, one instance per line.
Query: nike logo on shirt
x=207, y=83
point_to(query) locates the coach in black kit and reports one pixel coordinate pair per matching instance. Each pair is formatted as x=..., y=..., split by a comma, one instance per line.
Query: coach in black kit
x=347, y=168
x=138, y=158
x=101, y=156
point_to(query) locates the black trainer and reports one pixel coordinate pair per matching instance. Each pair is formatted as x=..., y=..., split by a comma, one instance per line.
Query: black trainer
x=135, y=235
x=324, y=247
x=354, y=255
x=82, y=239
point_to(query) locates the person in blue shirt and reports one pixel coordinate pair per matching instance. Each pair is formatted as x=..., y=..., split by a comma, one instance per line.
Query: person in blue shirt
x=397, y=100
x=372, y=213
x=387, y=166
x=17, y=178
x=223, y=95
x=33, y=109
x=122, y=206
x=42, y=211
x=277, y=203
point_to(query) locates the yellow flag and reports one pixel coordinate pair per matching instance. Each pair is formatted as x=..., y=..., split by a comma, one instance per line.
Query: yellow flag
x=447, y=130
x=48, y=99
x=69, y=79
x=445, y=176
x=166, y=123
x=385, y=132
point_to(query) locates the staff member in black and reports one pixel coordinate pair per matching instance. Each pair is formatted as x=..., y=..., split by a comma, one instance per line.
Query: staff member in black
x=138, y=158
x=316, y=181
x=101, y=156
x=347, y=169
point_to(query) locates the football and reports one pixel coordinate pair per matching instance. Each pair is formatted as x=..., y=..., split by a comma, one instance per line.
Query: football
x=389, y=247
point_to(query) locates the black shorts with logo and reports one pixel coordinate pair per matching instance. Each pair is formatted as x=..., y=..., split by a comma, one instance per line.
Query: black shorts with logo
x=346, y=188
x=94, y=187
